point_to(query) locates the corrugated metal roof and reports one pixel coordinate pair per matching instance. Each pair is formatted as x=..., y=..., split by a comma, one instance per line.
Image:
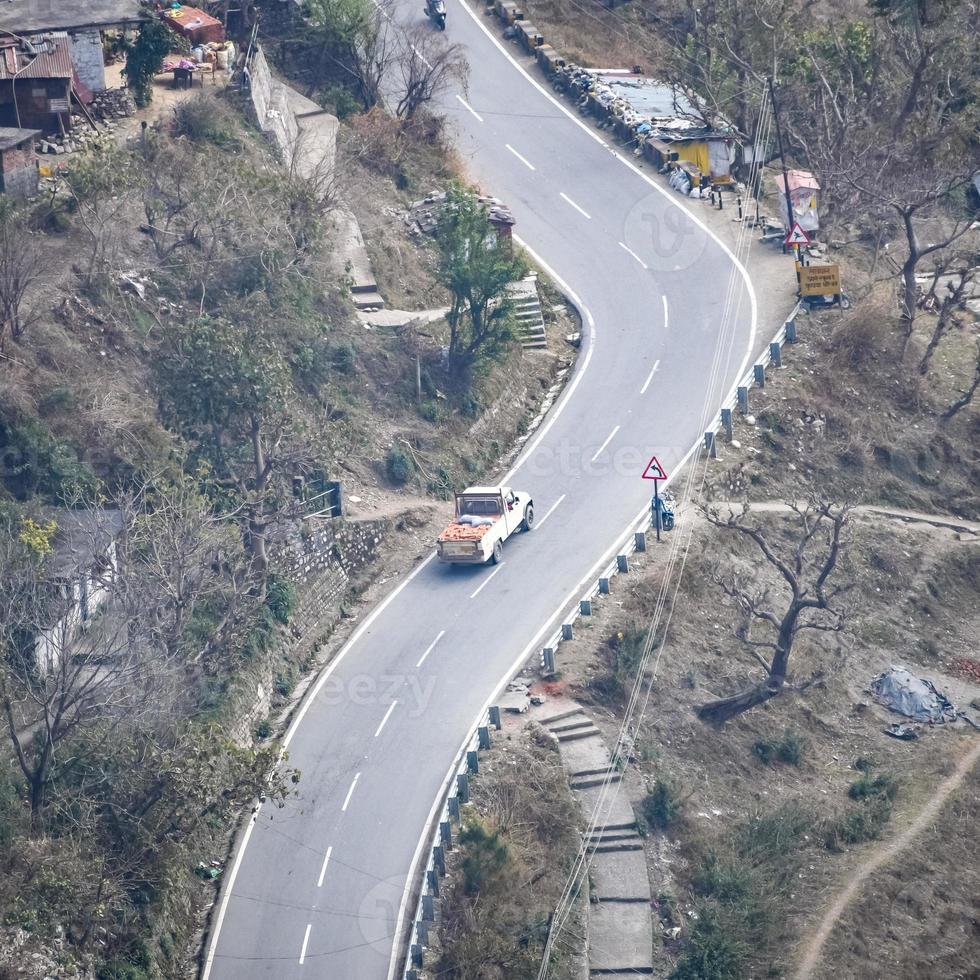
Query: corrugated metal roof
x=52, y=64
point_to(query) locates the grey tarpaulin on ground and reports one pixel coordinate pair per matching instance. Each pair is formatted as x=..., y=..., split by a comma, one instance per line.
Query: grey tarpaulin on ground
x=914, y=697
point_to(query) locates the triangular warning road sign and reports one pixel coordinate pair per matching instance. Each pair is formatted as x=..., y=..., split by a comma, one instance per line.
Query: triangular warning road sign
x=797, y=236
x=654, y=470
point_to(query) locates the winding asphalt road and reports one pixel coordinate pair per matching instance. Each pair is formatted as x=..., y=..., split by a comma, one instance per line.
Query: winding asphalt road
x=320, y=888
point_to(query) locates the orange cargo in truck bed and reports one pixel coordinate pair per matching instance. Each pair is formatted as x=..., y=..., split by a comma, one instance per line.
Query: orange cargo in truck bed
x=464, y=532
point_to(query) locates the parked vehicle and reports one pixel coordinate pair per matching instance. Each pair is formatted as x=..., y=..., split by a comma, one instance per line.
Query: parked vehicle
x=435, y=10
x=485, y=518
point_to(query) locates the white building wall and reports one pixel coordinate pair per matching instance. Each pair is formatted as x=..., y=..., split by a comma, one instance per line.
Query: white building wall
x=86, y=54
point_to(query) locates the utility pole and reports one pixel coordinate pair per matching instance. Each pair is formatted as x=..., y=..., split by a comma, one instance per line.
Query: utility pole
x=782, y=156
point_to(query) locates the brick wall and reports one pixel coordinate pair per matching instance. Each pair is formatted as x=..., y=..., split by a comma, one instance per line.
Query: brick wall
x=19, y=171
x=86, y=55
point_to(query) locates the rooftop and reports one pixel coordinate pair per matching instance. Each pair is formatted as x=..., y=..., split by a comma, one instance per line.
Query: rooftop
x=11, y=137
x=48, y=58
x=33, y=16
x=82, y=537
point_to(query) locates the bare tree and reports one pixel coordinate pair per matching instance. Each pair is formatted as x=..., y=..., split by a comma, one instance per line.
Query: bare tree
x=806, y=565
x=946, y=292
x=428, y=67
x=22, y=266
x=59, y=673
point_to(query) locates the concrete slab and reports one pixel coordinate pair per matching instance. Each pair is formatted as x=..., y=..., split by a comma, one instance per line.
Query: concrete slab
x=618, y=874
x=620, y=938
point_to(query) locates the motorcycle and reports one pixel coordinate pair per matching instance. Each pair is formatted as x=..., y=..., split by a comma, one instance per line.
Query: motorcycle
x=667, y=504
x=435, y=10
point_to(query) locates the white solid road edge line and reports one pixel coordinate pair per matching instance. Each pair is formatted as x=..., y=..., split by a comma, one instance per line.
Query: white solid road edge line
x=511, y=671
x=350, y=792
x=581, y=211
x=527, y=163
x=229, y=884
x=323, y=870
x=486, y=581
x=609, y=439
x=470, y=108
x=430, y=648
x=551, y=510
x=384, y=721
x=306, y=939
x=653, y=371
x=664, y=298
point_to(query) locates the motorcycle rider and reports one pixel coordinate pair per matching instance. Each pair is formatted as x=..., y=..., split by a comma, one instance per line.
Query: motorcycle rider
x=436, y=10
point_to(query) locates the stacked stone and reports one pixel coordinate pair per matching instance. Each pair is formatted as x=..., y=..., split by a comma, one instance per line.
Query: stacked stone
x=112, y=103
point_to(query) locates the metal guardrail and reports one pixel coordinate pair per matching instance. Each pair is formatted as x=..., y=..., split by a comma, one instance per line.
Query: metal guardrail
x=457, y=793
x=457, y=790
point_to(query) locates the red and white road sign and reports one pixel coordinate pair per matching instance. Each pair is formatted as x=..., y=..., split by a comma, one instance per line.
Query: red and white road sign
x=797, y=236
x=654, y=470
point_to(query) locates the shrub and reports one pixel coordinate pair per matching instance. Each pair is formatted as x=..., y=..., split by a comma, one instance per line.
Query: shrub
x=345, y=358
x=664, y=804
x=263, y=729
x=788, y=748
x=714, y=950
x=398, y=466
x=869, y=786
x=203, y=119
x=433, y=411
x=145, y=57
x=280, y=597
x=624, y=658
x=861, y=823
x=485, y=857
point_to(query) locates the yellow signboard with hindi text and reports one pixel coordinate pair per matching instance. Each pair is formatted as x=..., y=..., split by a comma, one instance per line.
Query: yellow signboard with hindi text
x=820, y=280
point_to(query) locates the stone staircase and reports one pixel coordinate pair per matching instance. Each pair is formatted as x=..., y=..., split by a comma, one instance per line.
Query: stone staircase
x=527, y=313
x=620, y=922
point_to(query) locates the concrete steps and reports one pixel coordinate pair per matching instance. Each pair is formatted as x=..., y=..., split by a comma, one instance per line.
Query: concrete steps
x=620, y=926
x=527, y=313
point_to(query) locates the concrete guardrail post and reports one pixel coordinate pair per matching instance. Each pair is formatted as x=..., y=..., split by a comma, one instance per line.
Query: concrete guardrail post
x=422, y=932
x=432, y=879
x=439, y=859
x=759, y=371
x=416, y=953
x=791, y=331
x=776, y=354
x=585, y=607
x=622, y=563
x=743, y=399
x=495, y=717
x=640, y=539
x=548, y=660
x=452, y=805
x=484, y=735
x=446, y=834
x=726, y=421
x=603, y=586
x=428, y=909
x=463, y=787
x=710, y=445
x=473, y=760
x=566, y=631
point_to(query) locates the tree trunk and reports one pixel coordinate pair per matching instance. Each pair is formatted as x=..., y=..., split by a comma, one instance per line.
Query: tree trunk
x=724, y=709
x=910, y=291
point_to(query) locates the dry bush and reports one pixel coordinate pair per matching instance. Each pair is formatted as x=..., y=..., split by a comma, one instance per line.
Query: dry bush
x=864, y=334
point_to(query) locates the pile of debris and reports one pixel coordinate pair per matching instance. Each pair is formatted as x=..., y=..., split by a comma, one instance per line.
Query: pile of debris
x=112, y=103
x=423, y=216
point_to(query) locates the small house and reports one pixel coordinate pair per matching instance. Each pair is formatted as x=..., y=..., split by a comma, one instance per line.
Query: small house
x=804, y=194
x=81, y=573
x=18, y=162
x=84, y=24
x=35, y=83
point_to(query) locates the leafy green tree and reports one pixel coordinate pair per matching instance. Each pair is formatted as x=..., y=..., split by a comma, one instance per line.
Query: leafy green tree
x=145, y=57
x=476, y=267
x=227, y=388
